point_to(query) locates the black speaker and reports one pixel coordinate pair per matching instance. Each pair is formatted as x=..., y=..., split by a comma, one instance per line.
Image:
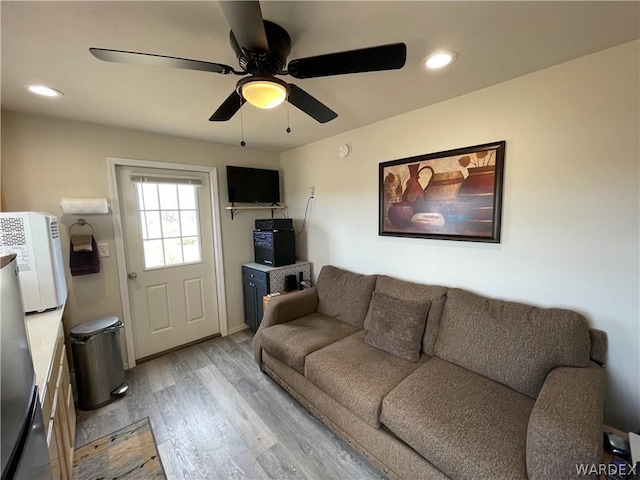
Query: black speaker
x=274, y=247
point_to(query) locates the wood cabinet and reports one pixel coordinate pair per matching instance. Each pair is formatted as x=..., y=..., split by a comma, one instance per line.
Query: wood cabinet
x=59, y=412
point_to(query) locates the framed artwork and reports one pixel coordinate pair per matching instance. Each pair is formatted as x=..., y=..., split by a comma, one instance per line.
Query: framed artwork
x=452, y=195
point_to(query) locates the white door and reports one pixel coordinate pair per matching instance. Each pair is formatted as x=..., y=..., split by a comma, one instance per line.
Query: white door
x=168, y=238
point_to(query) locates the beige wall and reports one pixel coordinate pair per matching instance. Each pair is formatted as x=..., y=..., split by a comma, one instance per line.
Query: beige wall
x=46, y=159
x=570, y=229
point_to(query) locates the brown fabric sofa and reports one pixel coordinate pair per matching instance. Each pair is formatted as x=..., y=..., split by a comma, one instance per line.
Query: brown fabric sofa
x=500, y=390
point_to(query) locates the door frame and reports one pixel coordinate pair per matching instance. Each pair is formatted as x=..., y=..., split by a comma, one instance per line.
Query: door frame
x=218, y=262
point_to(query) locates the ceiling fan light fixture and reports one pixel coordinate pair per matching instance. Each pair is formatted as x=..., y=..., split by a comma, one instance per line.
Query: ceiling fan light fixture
x=264, y=93
x=440, y=59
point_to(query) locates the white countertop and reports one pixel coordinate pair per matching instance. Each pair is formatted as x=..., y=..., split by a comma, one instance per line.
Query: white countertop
x=42, y=330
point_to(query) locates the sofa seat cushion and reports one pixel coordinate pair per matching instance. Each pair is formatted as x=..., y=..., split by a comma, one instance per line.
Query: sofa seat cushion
x=357, y=375
x=466, y=425
x=291, y=342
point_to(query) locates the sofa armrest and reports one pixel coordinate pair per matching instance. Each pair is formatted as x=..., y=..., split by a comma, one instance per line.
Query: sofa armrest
x=565, y=427
x=284, y=309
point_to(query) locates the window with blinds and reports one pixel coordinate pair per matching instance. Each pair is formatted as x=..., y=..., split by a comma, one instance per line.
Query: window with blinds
x=169, y=221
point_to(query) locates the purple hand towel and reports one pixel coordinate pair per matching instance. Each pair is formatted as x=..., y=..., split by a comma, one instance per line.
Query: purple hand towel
x=84, y=263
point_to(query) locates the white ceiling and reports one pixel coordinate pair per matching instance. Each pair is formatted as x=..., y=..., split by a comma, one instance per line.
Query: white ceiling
x=48, y=42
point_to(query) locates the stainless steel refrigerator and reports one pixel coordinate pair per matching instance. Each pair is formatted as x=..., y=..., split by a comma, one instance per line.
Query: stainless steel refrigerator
x=24, y=452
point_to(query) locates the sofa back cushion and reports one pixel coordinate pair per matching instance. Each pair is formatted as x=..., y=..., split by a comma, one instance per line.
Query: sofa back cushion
x=416, y=292
x=344, y=295
x=512, y=343
x=396, y=326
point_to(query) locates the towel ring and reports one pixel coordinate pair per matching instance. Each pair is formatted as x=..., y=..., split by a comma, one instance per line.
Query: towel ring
x=81, y=222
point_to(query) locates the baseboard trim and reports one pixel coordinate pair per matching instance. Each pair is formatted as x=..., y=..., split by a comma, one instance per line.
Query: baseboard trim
x=175, y=349
x=190, y=344
x=233, y=330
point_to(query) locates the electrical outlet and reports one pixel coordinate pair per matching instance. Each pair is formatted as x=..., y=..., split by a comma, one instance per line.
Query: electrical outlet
x=312, y=192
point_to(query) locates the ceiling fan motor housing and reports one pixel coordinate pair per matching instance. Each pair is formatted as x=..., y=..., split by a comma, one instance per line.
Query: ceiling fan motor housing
x=273, y=61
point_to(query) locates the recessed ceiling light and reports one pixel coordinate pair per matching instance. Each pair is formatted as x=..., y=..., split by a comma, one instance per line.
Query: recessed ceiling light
x=44, y=90
x=440, y=59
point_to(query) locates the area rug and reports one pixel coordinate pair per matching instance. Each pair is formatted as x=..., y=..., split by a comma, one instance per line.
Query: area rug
x=128, y=454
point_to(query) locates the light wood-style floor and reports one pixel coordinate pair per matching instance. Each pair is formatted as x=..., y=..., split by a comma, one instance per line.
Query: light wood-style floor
x=216, y=416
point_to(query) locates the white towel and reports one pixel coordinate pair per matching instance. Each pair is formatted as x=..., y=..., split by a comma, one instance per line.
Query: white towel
x=81, y=243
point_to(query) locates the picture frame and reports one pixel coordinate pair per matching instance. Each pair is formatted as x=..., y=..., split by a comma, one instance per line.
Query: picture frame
x=450, y=195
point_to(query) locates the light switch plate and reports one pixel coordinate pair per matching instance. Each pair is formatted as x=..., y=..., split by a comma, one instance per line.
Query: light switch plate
x=103, y=249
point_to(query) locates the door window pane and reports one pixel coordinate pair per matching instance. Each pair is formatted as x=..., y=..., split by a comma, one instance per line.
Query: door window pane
x=168, y=196
x=173, y=251
x=140, y=196
x=187, y=195
x=153, y=253
x=154, y=229
x=189, y=222
x=169, y=224
x=191, y=249
x=143, y=225
x=150, y=195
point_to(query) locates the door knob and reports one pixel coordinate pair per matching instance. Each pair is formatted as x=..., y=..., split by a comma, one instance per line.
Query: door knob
x=133, y=275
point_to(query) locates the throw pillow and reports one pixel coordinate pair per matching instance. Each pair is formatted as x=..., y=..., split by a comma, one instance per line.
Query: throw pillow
x=396, y=326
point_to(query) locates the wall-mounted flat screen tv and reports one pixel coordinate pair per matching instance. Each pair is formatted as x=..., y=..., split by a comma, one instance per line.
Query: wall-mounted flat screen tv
x=253, y=185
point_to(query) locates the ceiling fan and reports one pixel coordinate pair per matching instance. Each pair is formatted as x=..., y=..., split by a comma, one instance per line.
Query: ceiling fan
x=262, y=48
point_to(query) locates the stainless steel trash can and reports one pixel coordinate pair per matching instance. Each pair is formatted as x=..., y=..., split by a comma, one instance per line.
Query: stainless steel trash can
x=98, y=362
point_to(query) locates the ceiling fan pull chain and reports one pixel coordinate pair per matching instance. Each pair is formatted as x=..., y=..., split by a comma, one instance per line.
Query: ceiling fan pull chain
x=242, y=142
x=288, y=127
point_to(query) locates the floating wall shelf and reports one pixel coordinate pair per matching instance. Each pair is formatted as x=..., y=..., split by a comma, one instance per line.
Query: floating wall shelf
x=235, y=208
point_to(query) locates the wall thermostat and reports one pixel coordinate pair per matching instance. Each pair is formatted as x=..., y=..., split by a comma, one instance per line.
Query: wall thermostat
x=344, y=150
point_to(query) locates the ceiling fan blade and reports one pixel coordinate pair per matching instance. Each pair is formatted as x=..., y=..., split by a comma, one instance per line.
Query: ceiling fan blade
x=247, y=25
x=310, y=105
x=121, y=56
x=228, y=108
x=372, y=59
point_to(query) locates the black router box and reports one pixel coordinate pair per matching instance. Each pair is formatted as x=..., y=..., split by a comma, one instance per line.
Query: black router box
x=274, y=224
